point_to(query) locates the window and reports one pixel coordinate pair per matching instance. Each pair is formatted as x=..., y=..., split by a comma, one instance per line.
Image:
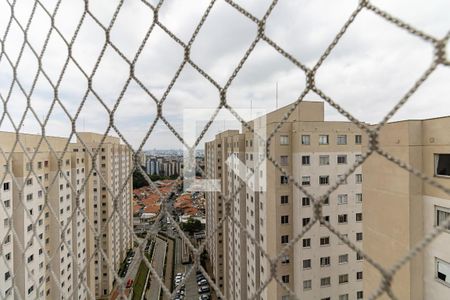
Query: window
x=285, y=278
x=285, y=259
x=6, y=186
x=284, y=199
x=325, y=241
x=341, y=139
x=342, y=219
x=358, y=178
x=323, y=139
x=324, y=180
x=29, y=197
x=305, y=221
x=325, y=261
x=306, y=264
x=30, y=227
x=343, y=278
x=7, y=203
x=359, y=275
x=358, y=198
x=306, y=139
x=284, y=179
x=342, y=179
x=325, y=281
x=443, y=271
x=306, y=201
x=342, y=159
x=306, y=180
x=358, y=139
x=358, y=217
x=307, y=284
x=284, y=140
x=342, y=199
x=325, y=219
x=326, y=201
x=324, y=160
x=442, y=164
x=284, y=219
x=306, y=243
x=30, y=290
x=359, y=295
x=343, y=259
x=30, y=181
x=441, y=216
x=284, y=160
x=284, y=239
x=359, y=256
x=343, y=297
x=306, y=160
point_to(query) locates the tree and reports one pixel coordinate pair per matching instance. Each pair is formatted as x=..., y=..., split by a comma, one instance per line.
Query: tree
x=138, y=180
x=192, y=225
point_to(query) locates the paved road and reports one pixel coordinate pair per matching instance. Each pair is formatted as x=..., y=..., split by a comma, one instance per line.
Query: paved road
x=191, y=281
x=159, y=256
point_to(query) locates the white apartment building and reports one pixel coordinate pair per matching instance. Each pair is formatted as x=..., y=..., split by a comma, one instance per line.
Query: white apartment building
x=49, y=202
x=315, y=153
x=6, y=251
x=109, y=195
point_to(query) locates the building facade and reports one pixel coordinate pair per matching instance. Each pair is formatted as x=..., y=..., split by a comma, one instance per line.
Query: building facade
x=316, y=153
x=49, y=201
x=401, y=209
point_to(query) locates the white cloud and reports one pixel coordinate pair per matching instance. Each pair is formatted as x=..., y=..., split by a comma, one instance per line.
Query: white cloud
x=373, y=65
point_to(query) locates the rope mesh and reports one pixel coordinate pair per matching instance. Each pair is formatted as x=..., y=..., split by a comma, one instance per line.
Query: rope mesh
x=12, y=60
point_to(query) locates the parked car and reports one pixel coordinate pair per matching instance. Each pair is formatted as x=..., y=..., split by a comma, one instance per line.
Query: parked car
x=202, y=282
x=199, y=277
x=129, y=283
x=203, y=289
x=204, y=297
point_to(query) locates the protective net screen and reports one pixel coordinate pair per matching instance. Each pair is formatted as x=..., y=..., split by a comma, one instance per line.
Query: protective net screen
x=66, y=202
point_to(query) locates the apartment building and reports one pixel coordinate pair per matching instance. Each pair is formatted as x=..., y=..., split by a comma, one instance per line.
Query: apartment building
x=46, y=199
x=6, y=251
x=316, y=153
x=214, y=207
x=108, y=193
x=400, y=209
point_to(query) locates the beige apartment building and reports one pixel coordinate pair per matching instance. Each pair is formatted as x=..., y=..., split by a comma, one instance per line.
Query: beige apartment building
x=273, y=211
x=400, y=208
x=46, y=199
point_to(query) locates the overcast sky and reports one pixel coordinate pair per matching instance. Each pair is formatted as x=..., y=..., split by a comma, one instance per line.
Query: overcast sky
x=374, y=64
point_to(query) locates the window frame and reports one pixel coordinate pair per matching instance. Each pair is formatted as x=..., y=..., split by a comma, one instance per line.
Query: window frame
x=307, y=284
x=284, y=139
x=305, y=139
x=325, y=140
x=436, y=164
x=342, y=156
x=436, y=271
x=436, y=216
x=324, y=180
x=339, y=137
x=327, y=157
x=306, y=158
